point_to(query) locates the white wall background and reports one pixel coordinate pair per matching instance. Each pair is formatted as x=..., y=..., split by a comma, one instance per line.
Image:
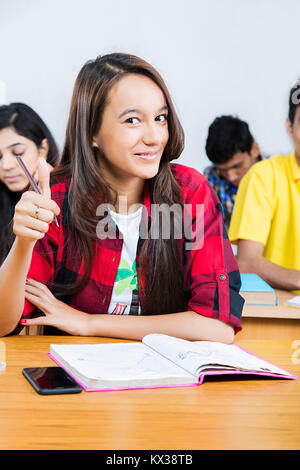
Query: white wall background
x=218, y=57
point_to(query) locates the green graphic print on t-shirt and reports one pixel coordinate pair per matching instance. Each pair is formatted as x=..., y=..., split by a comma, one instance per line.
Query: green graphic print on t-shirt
x=126, y=278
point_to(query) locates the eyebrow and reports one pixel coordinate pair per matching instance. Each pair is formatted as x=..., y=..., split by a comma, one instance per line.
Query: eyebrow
x=134, y=110
x=230, y=168
x=15, y=145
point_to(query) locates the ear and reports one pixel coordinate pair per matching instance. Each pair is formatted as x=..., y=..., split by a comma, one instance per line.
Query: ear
x=44, y=149
x=254, y=152
x=289, y=127
x=95, y=145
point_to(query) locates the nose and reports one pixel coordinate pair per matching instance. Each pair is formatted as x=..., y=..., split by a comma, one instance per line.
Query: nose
x=8, y=162
x=232, y=176
x=153, y=134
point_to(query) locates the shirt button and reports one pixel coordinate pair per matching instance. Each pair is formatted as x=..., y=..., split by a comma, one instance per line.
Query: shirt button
x=222, y=277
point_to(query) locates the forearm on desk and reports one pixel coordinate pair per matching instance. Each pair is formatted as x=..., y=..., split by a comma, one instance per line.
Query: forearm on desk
x=275, y=275
x=187, y=325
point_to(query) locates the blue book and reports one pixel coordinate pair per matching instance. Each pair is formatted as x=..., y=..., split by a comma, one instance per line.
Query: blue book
x=256, y=291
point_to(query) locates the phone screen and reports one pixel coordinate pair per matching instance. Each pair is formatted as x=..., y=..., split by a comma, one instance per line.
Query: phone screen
x=51, y=380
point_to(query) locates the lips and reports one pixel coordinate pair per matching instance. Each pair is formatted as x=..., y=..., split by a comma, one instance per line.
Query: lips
x=147, y=155
x=11, y=179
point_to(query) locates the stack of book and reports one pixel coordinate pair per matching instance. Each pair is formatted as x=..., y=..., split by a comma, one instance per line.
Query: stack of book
x=256, y=291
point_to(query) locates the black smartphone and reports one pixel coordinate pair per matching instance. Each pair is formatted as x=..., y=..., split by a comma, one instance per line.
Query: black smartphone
x=51, y=380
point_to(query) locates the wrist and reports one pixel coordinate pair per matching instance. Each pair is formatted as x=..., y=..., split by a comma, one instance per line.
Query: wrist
x=24, y=245
x=87, y=325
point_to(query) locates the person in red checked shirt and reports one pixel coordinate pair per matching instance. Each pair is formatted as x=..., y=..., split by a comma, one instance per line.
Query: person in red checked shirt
x=141, y=246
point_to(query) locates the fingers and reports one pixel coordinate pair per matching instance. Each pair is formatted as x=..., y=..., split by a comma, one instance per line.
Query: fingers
x=39, y=200
x=39, y=295
x=35, y=321
x=33, y=214
x=32, y=211
x=27, y=226
x=38, y=289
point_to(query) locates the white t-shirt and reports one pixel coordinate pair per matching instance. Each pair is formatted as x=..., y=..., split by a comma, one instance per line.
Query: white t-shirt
x=125, y=298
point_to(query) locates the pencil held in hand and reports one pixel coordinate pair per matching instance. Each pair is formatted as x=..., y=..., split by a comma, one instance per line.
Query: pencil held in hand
x=43, y=181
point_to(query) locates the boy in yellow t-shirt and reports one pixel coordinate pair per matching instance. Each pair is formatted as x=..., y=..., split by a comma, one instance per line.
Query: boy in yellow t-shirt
x=265, y=223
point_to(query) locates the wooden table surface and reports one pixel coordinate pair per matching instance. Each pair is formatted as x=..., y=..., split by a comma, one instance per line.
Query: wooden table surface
x=274, y=311
x=230, y=414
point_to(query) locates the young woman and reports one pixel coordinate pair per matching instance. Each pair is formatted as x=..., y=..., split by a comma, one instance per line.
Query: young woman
x=111, y=268
x=22, y=132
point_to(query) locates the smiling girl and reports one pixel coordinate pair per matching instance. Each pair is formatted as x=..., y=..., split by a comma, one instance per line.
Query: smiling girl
x=122, y=134
x=22, y=132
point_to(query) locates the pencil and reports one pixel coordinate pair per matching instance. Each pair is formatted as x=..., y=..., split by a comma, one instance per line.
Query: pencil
x=33, y=183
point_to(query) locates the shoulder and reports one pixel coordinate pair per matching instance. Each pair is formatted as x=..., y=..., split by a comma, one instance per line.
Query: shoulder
x=267, y=170
x=188, y=178
x=279, y=162
x=272, y=161
x=209, y=171
x=194, y=186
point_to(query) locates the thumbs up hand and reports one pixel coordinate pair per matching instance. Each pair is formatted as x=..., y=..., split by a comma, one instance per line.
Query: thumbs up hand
x=35, y=212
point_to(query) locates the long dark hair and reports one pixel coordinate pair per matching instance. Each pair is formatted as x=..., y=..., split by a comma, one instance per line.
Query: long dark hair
x=27, y=123
x=159, y=258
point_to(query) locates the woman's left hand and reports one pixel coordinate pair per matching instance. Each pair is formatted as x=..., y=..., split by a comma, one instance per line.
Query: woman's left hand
x=57, y=313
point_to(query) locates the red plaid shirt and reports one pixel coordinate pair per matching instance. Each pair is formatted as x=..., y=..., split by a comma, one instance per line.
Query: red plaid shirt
x=210, y=273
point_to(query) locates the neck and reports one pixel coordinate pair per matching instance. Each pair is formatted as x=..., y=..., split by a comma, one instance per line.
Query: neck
x=130, y=193
x=129, y=189
x=129, y=196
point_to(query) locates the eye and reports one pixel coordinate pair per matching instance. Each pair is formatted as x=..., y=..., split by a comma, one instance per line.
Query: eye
x=132, y=120
x=18, y=154
x=162, y=118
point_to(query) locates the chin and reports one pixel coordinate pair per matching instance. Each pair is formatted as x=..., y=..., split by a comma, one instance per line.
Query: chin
x=148, y=174
x=16, y=188
x=149, y=171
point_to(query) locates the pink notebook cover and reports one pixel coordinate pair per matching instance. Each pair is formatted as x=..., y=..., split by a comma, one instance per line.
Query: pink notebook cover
x=201, y=380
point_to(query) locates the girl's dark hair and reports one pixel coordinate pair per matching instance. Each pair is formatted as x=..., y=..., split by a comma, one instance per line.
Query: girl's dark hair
x=27, y=123
x=159, y=258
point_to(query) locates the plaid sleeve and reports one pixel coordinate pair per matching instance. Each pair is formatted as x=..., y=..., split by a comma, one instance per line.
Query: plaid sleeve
x=211, y=275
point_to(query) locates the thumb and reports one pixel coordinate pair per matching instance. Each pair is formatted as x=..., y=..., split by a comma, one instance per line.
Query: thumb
x=44, y=177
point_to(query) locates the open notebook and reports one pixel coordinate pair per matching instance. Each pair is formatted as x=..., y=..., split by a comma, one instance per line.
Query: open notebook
x=158, y=361
x=294, y=302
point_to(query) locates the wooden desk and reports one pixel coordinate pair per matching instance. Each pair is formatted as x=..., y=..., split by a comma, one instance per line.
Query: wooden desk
x=271, y=322
x=242, y=414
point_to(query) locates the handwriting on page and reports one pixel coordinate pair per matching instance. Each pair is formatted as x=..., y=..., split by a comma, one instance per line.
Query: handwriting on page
x=195, y=356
